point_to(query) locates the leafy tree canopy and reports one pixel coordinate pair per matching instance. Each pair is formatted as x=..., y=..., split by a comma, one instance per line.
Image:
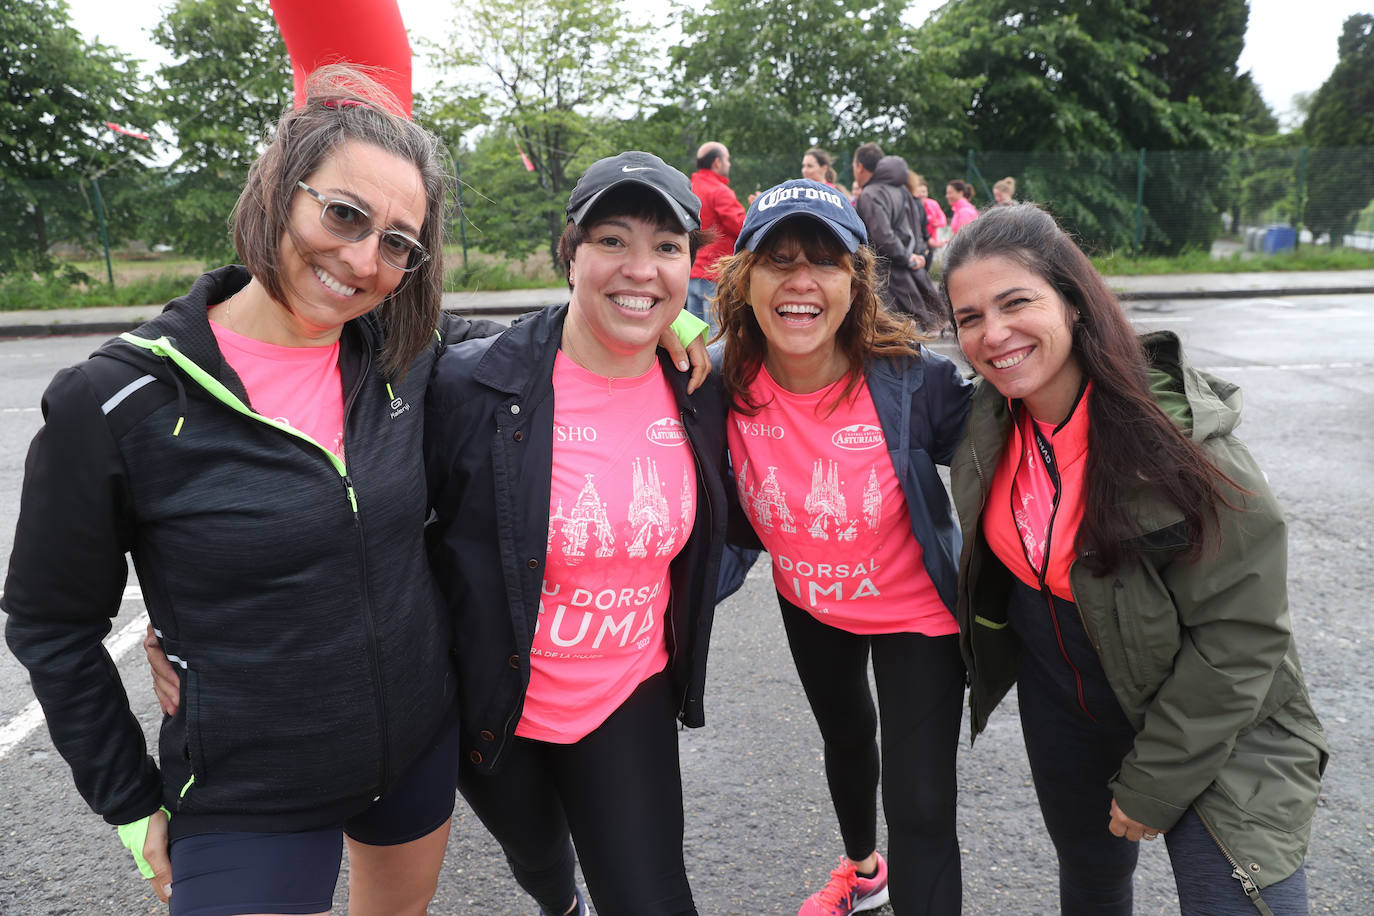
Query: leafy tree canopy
x=229, y=81
x=56, y=94
x=772, y=78
x=1341, y=121
x=547, y=73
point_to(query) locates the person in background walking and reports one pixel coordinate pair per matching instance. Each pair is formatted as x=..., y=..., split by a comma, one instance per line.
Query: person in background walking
x=722, y=214
x=1125, y=566
x=844, y=493
x=1004, y=192
x=959, y=195
x=896, y=224
x=935, y=216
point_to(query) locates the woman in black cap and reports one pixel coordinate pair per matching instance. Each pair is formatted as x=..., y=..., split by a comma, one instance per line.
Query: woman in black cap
x=580, y=517
x=838, y=418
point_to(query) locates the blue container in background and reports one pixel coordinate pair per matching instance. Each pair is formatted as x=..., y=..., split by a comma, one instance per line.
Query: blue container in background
x=1279, y=238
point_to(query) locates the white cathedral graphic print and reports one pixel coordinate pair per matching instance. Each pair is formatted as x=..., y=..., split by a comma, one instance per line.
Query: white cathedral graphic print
x=588, y=519
x=766, y=506
x=650, y=525
x=649, y=511
x=826, y=505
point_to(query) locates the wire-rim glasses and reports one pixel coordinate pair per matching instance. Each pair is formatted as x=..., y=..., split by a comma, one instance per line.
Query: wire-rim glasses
x=352, y=223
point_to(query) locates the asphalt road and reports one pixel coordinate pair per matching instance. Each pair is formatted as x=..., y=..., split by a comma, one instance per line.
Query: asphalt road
x=760, y=832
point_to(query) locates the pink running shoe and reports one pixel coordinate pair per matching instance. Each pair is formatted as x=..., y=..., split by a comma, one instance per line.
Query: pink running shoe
x=848, y=893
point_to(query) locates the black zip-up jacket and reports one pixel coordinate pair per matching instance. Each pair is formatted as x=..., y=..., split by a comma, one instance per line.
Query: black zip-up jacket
x=489, y=454
x=292, y=588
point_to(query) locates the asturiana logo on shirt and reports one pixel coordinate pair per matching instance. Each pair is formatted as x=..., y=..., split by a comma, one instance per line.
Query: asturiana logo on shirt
x=858, y=437
x=667, y=432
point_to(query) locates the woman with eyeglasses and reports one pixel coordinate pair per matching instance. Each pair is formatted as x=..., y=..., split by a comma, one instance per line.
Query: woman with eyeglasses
x=256, y=449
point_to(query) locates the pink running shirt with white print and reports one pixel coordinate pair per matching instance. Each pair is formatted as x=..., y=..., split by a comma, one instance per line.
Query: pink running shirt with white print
x=621, y=505
x=298, y=386
x=824, y=500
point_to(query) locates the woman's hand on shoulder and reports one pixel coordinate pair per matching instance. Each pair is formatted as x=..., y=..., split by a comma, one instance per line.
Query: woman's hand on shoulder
x=693, y=357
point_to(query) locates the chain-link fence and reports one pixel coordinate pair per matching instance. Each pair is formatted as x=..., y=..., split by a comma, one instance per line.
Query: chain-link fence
x=1143, y=201
x=1140, y=202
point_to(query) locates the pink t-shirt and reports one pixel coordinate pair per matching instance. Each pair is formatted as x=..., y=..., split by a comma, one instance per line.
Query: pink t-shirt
x=621, y=505
x=825, y=501
x=935, y=217
x=964, y=213
x=298, y=386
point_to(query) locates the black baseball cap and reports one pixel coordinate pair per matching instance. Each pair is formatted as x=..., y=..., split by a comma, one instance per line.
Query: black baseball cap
x=635, y=167
x=802, y=197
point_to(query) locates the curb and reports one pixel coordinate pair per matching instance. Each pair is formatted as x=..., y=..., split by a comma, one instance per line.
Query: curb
x=30, y=324
x=1146, y=295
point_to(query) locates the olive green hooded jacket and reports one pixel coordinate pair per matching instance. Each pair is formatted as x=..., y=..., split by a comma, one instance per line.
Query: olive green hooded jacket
x=1199, y=654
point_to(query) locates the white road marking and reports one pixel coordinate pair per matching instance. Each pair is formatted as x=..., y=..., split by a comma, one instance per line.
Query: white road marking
x=31, y=716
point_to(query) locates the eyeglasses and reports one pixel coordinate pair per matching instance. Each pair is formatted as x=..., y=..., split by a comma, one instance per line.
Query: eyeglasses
x=352, y=223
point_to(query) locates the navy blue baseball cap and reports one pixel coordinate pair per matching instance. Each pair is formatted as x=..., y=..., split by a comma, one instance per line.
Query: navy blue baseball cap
x=634, y=167
x=802, y=197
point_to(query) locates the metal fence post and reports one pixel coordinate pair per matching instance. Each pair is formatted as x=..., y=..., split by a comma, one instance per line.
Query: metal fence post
x=462, y=217
x=1302, y=190
x=104, y=234
x=971, y=169
x=1139, y=201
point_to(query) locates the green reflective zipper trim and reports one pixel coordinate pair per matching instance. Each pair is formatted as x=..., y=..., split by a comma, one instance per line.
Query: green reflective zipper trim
x=163, y=347
x=990, y=624
x=187, y=788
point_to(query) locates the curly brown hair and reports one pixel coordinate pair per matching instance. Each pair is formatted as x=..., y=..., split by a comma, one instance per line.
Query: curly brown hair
x=868, y=330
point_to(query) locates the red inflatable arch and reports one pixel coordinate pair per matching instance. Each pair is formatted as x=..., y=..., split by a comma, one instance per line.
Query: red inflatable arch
x=367, y=32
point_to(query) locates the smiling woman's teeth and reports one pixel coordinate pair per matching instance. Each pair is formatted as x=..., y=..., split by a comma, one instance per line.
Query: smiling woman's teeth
x=804, y=311
x=634, y=303
x=1009, y=361
x=333, y=284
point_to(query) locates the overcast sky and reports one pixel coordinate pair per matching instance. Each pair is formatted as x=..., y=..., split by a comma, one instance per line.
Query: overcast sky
x=1290, y=49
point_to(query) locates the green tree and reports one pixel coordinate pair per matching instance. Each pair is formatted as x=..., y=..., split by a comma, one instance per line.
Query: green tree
x=1073, y=77
x=771, y=79
x=549, y=74
x=230, y=78
x=56, y=94
x=1341, y=123
x=1199, y=58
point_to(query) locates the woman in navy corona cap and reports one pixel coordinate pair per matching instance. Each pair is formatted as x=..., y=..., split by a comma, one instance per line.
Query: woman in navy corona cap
x=844, y=494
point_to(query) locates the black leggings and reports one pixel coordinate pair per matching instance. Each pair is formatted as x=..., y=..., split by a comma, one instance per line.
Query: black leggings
x=616, y=794
x=920, y=682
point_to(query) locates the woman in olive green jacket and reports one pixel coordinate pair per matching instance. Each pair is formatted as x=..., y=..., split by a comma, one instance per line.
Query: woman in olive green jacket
x=1124, y=563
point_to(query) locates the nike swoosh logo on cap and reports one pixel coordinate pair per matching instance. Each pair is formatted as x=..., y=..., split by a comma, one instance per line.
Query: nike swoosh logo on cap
x=638, y=168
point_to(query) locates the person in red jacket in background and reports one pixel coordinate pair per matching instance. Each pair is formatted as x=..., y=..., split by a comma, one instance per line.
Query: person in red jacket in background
x=721, y=212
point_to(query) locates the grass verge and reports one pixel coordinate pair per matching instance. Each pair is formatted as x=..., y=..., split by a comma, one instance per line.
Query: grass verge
x=1308, y=257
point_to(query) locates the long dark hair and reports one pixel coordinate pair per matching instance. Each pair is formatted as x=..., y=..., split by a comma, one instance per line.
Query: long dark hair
x=868, y=330
x=1131, y=441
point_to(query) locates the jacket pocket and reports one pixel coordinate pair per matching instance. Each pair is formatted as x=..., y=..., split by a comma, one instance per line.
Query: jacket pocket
x=1147, y=625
